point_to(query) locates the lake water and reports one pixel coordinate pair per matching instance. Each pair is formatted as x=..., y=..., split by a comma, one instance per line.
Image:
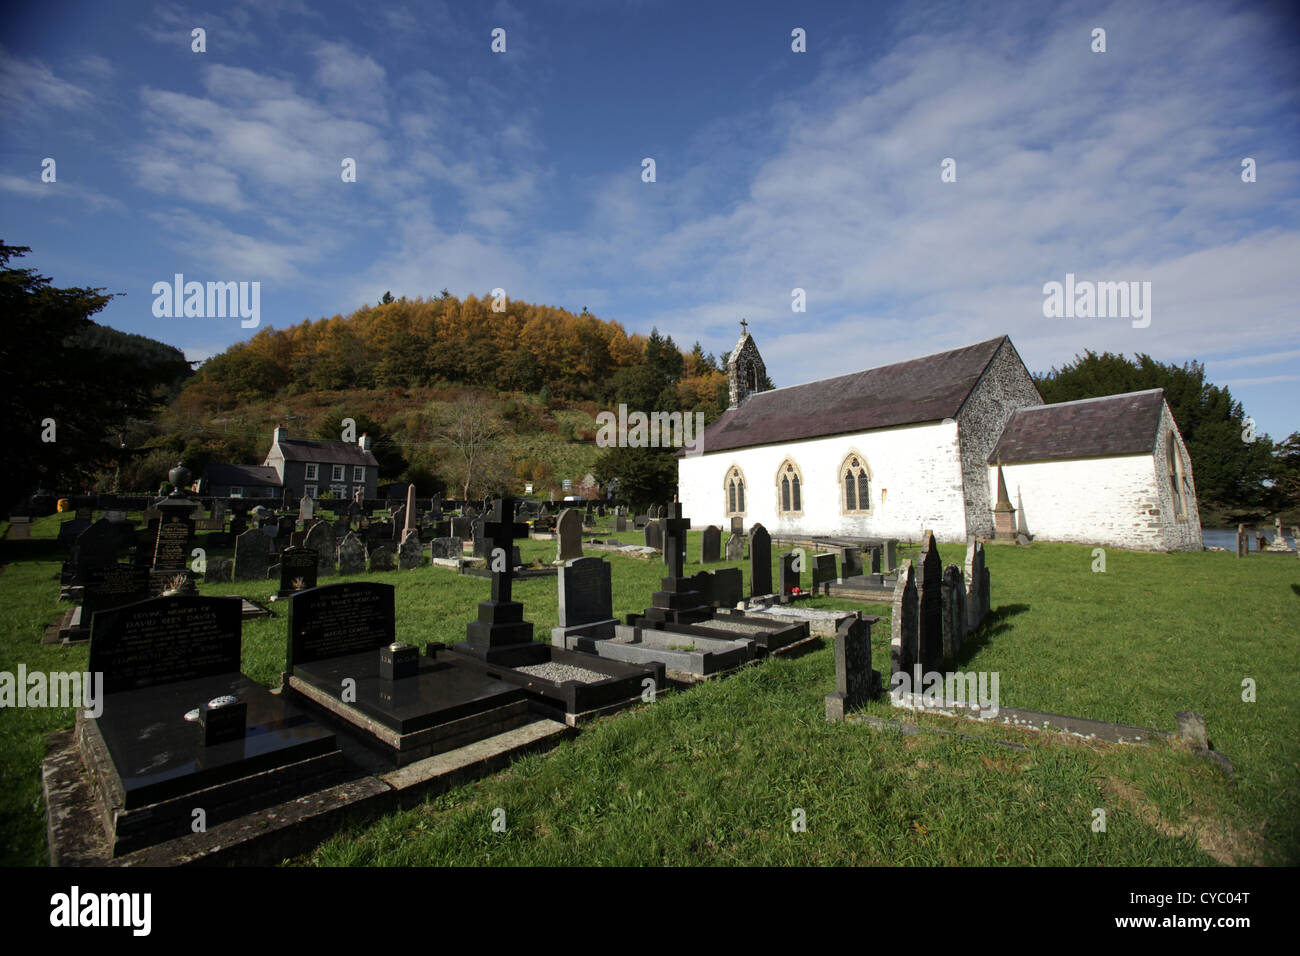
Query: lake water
x=1227, y=537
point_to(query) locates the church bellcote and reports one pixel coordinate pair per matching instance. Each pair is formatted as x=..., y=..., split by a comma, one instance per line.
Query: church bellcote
x=746, y=372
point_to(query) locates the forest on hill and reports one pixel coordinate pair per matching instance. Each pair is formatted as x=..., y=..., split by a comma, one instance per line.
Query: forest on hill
x=455, y=396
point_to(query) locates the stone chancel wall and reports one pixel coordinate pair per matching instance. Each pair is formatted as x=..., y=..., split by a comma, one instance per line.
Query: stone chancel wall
x=916, y=483
x=1088, y=501
x=1005, y=386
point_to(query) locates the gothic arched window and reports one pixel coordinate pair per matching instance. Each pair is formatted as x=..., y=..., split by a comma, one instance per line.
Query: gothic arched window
x=789, y=489
x=855, y=484
x=734, y=489
x=1177, y=480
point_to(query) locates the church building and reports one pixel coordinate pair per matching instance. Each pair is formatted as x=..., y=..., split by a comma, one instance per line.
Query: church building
x=929, y=444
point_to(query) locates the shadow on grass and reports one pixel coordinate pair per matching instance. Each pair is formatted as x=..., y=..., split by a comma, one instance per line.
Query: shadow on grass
x=1295, y=589
x=995, y=623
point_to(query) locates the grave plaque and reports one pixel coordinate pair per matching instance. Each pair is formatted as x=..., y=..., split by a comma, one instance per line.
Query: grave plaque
x=586, y=594
x=172, y=547
x=164, y=640
x=298, y=568
x=337, y=620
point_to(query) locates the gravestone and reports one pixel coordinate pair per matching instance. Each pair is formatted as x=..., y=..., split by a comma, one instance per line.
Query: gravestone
x=447, y=548
x=620, y=522
x=760, y=561
x=166, y=640
x=677, y=601
x=711, y=545
x=307, y=508
x=855, y=682
x=409, y=553
x=954, y=615
x=298, y=569
x=929, y=589
x=500, y=625
x=480, y=547
x=172, y=546
x=823, y=572
x=1279, y=539
x=321, y=540
x=701, y=582
x=218, y=569
x=69, y=531
x=586, y=602
x=736, y=547
x=789, y=574
x=737, y=525
x=106, y=587
x=728, y=587
x=876, y=559
x=977, y=585
x=462, y=528
x=903, y=623
x=399, y=521
x=1243, y=543
x=96, y=547
x=653, y=535
x=890, y=556
x=850, y=562
x=381, y=558
x=568, y=534
x=250, y=556
x=352, y=554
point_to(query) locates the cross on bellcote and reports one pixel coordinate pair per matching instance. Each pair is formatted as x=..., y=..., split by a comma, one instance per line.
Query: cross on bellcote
x=744, y=326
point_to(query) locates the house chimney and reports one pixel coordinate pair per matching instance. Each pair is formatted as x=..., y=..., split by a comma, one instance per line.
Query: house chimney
x=279, y=435
x=364, y=442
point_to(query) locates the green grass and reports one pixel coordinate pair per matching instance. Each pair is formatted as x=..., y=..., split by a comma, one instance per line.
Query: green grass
x=713, y=775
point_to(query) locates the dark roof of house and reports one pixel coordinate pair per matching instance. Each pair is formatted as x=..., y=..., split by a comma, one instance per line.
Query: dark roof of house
x=925, y=389
x=241, y=475
x=1125, y=424
x=326, y=452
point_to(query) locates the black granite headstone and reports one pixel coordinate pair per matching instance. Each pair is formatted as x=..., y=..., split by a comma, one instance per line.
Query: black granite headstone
x=165, y=640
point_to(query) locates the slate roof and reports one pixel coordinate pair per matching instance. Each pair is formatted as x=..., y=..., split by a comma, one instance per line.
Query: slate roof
x=241, y=475
x=1126, y=424
x=325, y=452
x=926, y=389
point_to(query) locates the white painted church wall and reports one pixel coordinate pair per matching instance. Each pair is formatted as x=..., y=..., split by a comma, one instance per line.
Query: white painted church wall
x=916, y=484
x=1105, y=501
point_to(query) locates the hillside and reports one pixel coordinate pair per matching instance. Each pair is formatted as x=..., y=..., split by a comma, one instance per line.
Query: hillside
x=409, y=372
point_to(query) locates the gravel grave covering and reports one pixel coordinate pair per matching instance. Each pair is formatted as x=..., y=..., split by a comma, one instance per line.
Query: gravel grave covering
x=733, y=626
x=562, y=672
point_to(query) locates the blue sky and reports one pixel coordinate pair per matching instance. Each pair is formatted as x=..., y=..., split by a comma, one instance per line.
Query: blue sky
x=775, y=170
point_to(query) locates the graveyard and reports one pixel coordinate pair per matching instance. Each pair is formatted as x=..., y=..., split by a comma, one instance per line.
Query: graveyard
x=737, y=736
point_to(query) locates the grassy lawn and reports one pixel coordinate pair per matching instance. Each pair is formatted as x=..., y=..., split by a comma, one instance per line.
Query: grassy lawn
x=714, y=775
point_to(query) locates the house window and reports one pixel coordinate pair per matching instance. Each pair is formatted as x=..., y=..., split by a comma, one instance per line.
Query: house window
x=339, y=491
x=734, y=489
x=310, y=491
x=789, y=489
x=311, y=472
x=855, y=484
x=337, y=473
x=236, y=491
x=358, y=473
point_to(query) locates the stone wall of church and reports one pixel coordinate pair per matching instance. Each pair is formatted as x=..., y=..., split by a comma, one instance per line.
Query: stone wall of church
x=1114, y=502
x=916, y=484
x=1005, y=386
x=1179, y=534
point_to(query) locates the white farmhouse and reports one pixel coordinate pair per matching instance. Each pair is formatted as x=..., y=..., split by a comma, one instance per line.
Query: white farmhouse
x=897, y=450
